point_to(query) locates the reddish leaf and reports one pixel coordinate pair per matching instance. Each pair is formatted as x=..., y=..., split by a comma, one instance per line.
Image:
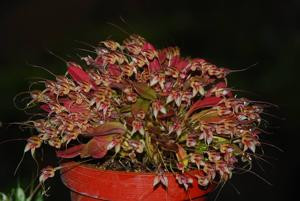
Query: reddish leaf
x=219, y=119
x=96, y=147
x=169, y=114
x=77, y=73
x=205, y=115
x=114, y=70
x=181, y=64
x=221, y=85
x=108, y=128
x=45, y=107
x=206, y=102
x=154, y=66
x=70, y=152
x=99, y=61
x=182, y=155
x=174, y=61
x=148, y=46
x=198, y=60
x=162, y=56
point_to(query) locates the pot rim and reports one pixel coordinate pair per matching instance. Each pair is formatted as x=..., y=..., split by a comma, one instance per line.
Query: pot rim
x=66, y=166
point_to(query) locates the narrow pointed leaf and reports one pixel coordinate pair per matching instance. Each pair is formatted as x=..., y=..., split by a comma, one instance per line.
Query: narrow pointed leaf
x=150, y=149
x=182, y=155
x=204, y=115
x=206, y=102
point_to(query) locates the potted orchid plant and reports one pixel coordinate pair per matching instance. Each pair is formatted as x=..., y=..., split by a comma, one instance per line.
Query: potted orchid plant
x=133, y=122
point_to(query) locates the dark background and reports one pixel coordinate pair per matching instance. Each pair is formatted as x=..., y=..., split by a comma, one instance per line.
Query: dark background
x=228, y=33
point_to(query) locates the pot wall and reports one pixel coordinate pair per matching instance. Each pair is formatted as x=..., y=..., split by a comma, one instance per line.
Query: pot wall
x=91, y=184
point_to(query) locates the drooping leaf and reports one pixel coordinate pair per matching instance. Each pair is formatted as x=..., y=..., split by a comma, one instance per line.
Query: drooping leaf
x=96, y=148
x=144, y=90
x=108, y=128
x=70, y=152
x=141, y=105
x=206, y=102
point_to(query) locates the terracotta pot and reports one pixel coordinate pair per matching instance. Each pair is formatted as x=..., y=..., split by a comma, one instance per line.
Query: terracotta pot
x=90, y=184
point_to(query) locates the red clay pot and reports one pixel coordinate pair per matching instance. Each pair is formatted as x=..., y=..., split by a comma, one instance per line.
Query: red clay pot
x=90, y=184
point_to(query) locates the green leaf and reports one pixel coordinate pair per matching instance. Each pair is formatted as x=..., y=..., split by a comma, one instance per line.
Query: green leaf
x=126, y=108
x=201, y=148
x=144, y=90
x=220, y=140
x=20, y=195
x=39, y=197
x=150, y=150
x=3, y=197
x=141, y=105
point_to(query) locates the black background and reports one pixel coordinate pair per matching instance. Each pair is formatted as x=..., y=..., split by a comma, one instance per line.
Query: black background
x=228, y=33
